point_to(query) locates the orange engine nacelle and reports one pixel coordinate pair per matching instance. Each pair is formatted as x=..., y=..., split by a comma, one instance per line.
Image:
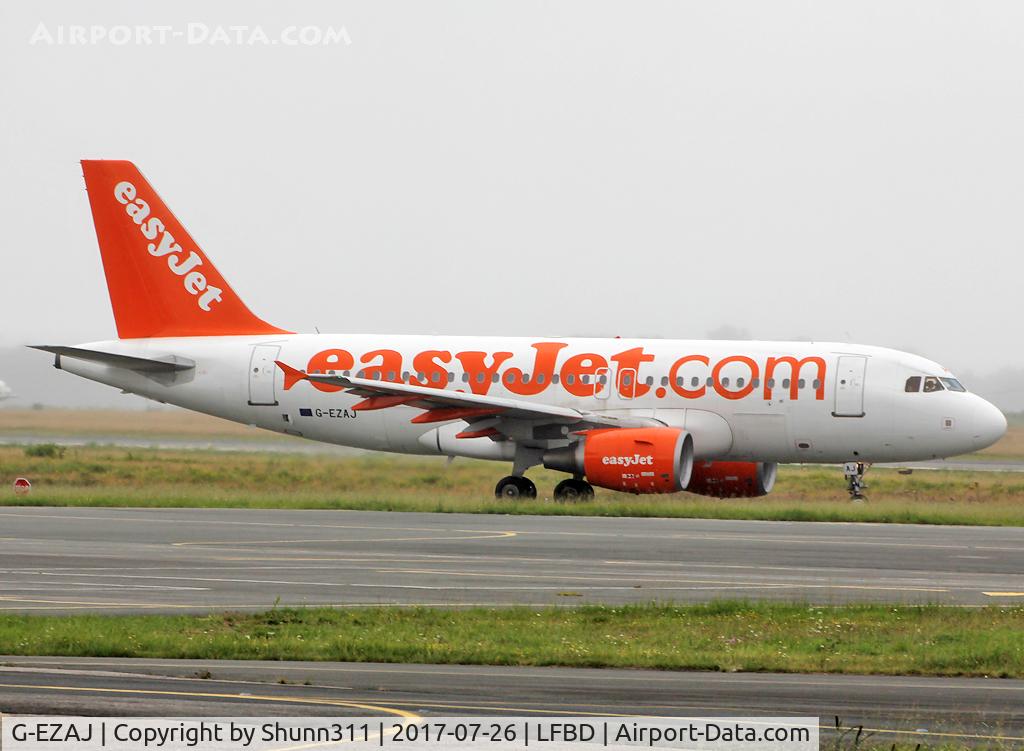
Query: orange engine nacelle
x=733, y=479
x=636, y=460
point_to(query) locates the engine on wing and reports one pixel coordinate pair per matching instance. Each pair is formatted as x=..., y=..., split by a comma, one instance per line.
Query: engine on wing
x=732, y=479
x=635, y=460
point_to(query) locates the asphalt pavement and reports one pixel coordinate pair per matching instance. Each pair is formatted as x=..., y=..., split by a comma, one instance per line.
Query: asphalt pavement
x=193, y=560
x=906, y=710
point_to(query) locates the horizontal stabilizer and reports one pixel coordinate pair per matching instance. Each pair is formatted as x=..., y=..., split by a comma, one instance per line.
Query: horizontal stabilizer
x=155, y=364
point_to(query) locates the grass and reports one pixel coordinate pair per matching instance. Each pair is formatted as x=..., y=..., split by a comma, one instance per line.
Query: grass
x=137, y=424
x=110, y=476
x=730, y=636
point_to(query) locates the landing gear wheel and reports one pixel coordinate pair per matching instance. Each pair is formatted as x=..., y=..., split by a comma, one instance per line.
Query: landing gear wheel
x=573, y=491
x=514, y=488
x=854, y=472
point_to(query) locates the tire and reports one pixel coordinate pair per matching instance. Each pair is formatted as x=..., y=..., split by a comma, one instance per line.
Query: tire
x=515, y=489
x=527, y=488
x=507, y=489
x=573, y=491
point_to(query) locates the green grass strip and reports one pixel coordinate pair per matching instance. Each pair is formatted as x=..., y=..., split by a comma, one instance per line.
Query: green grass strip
x=153, y=478
x=866, y=639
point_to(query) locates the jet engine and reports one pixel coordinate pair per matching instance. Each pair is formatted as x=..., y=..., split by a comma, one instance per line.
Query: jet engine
x=634, y=460
x=733, y=479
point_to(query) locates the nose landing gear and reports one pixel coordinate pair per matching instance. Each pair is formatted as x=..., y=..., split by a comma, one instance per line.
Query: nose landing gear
x=854, y=472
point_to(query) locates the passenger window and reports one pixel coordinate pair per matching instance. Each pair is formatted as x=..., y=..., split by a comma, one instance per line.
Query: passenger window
x=740, y=382
x=725, y=382
x=649, y=381
x=913, y=385
x=931, y=383
x=540, y=378
x=952, y=384
x=554, y=378
x=816, y=384
x=664, y=380
x=693, y=382
x=785, y=383
x=435, y=377
x=801, y=383
x=627, y=379
x=480, y=377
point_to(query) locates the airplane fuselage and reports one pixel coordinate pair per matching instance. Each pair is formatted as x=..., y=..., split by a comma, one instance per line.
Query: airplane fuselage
x=751, y=401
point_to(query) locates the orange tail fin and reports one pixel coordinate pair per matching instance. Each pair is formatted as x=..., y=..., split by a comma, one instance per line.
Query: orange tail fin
x=160, y=282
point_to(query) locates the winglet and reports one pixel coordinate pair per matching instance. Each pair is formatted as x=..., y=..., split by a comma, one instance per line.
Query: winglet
x=291, y=375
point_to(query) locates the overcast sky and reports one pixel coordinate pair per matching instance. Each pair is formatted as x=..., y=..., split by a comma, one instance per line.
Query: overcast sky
x=850, y=171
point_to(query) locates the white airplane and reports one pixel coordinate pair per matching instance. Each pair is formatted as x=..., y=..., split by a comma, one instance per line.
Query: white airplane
x=636, y=415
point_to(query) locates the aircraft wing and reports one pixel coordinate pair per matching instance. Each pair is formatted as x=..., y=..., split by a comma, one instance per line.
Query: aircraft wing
x=443, y=405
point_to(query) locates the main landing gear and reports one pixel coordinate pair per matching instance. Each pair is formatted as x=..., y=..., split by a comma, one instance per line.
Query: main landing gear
x=514, y=488
x=854, y=472
x=573, y=490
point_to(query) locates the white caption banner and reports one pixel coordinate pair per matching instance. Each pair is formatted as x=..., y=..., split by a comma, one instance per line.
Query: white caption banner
x=52, y=733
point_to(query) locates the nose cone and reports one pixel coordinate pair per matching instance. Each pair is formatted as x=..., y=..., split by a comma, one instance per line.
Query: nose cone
x=989, y=424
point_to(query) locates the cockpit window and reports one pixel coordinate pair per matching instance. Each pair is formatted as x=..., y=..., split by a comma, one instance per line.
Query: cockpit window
x=953, y=384
x=931, y=383
x=913, y=384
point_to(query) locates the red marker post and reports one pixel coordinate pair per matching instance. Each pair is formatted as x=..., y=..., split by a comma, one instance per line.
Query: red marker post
x=22, y=486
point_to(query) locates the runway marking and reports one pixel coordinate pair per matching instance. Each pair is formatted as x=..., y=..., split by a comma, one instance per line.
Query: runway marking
x=1004, y=594
x=774, y=539
x=866, y=682
x=200, y=609
x=533, y=588
x=29, y=586
x=647, y=582
x=209, y=695
x=241, y=544
x=413, y=717
x=145, y=518
x=670, y=581
x=150, y=516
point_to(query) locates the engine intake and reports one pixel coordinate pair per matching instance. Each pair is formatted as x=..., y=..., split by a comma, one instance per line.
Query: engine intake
x=635, y=460
x=733, y=479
